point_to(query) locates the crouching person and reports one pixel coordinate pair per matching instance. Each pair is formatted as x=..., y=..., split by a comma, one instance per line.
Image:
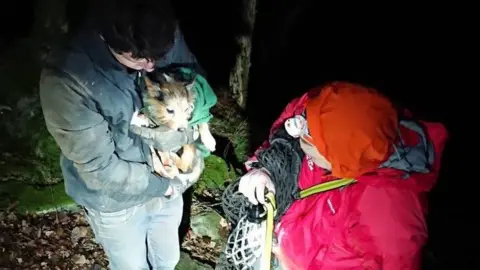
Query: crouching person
x=369, y=167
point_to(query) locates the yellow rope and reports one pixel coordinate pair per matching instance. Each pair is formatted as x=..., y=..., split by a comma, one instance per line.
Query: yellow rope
x=326, y=187
x=271, y=212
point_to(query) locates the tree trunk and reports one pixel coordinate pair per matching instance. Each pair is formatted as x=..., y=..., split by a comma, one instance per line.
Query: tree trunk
x=239, y=75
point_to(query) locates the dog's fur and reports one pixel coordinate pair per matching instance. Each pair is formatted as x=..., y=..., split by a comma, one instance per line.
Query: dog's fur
x=171, y=104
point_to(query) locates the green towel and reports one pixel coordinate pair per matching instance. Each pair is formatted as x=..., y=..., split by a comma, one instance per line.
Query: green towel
x=206, y=99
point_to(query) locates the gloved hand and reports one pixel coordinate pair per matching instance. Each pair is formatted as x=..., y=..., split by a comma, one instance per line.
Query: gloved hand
x=252, y=185
x=163, y=138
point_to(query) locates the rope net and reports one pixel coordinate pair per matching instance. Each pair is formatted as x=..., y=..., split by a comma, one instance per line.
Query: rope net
x=246, y=241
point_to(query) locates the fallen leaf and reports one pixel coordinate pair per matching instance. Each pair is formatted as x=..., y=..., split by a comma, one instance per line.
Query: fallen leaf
x=60, y=232
x=79, y=259
x=78, y=232
x=11, y=217
x=223, y=222
x=64, y=253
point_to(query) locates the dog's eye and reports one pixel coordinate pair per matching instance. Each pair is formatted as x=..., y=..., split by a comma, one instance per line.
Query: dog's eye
x=170, y=111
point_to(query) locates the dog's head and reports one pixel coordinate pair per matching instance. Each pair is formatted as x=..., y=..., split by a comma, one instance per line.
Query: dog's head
x=171, y=101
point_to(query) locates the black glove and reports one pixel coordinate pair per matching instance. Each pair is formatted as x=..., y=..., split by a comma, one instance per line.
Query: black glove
x=163, y=138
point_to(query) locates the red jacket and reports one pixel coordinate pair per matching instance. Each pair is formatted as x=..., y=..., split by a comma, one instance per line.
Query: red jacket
x=376, y=223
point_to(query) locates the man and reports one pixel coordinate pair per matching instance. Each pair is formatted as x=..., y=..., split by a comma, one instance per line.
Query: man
x=89, y=94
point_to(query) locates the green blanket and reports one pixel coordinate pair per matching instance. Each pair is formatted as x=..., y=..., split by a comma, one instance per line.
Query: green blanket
x=206, y=99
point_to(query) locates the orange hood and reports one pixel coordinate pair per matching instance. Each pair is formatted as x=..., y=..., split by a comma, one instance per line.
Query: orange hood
x=352, y=126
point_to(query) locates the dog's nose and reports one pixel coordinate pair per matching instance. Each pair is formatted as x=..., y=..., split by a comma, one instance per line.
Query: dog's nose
x=182, y=129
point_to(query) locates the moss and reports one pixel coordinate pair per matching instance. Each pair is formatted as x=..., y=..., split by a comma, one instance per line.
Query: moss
x=216, y=173
x=230, y=124
x=31, y=158
x=29, y=198
x=241, y=147
x=47, y=154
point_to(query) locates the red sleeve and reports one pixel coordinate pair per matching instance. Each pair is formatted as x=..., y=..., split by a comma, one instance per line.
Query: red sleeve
x=396, y=224
x=295, y=107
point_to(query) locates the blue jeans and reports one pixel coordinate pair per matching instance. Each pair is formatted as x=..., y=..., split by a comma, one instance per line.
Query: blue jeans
x=143, y=234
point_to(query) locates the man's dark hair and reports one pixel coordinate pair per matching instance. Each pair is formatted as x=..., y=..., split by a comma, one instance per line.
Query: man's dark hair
x=146, y=28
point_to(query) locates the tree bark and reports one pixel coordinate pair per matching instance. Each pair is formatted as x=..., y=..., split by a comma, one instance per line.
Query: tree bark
x=240, y=73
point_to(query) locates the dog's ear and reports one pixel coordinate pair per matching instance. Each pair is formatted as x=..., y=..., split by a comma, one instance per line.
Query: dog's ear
x=160, y=77
x=154, y=90
x=189, y=85
x=167, y=78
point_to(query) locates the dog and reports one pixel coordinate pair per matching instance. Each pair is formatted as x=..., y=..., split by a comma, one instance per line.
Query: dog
x=171, y=103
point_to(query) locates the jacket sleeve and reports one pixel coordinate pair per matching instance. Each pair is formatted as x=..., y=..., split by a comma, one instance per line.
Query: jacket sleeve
x=294, y=107
x=180, y=55
x=84, y=137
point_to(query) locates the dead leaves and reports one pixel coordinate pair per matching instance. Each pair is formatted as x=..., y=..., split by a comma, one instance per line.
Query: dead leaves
x=78, y=233
x=64, y=241
x=201, y=247
x=51, y=241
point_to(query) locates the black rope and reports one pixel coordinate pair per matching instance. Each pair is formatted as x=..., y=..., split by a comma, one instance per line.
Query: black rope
x=283, y=160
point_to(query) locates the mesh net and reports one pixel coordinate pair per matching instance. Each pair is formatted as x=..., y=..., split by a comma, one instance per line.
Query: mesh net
x=246, y=241
x=244, y=246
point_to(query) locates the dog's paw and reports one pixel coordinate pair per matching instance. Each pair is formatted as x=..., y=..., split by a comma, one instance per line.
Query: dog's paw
x=171, y=172
x=183, y=163
x=209, y=142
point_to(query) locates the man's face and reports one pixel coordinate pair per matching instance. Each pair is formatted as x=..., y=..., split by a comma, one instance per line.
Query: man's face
x=127, y=60
x=310, y=149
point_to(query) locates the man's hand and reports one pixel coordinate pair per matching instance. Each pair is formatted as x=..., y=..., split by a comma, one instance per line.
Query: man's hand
x=160, y=168
x=252, y=185
x=163, y=138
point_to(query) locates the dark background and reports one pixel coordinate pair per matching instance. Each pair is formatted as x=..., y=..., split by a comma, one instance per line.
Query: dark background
x=413, y=54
